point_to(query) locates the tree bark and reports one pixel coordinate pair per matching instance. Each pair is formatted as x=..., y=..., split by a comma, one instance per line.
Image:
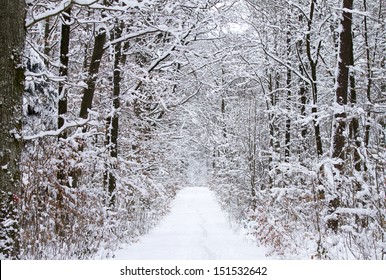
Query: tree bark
x=345, y=61
x=287, y=148
x=63, y=70
x=88, y=93
x=369, y=72
x=47, y=46
x=112, y=123
x=342, y=86
x=354, y=125
x=12, y=38
x=302, y=93
x=313, y=63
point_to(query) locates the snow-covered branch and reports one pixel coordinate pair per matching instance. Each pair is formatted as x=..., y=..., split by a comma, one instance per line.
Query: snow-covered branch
x=277, y=59
x=61, y=7
x=57, y=132
x=131, y=36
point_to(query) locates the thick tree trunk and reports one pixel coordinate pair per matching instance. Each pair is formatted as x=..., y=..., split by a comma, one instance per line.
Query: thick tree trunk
x=88, y=93
x=63, y=70
x=342, y=86
x=345, y=61
x=12, y=37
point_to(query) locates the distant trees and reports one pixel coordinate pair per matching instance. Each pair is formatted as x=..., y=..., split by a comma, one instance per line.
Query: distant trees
x=12, y=38
x=304, y=139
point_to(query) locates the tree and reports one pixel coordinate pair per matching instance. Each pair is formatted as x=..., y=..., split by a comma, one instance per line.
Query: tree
x=342, y=86
x=342, y=81
x=88, y=93
x=12, y=37
x=63, y=70
x=62, y=91
x=313, y=62
x=112, y=122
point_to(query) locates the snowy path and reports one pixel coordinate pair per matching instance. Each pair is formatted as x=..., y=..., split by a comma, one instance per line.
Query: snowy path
x=195, y=229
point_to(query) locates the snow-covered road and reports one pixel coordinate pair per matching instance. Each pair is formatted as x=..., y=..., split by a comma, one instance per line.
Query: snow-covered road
x=195, y=229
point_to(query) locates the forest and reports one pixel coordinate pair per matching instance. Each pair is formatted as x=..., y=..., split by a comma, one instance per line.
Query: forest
x=110, y=107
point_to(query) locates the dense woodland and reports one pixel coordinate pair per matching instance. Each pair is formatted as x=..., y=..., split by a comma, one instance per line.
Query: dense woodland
x=277, y=106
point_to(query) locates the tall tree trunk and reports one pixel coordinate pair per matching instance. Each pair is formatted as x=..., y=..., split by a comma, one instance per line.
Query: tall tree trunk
x=270, y=103
x=313, y=63
x=288, y=120
x=47, y=46
x=354, y=125
x=113, y=122
x=88, y=93
x=369, y=72
x=63, y=70
x=223, y=105
x=252, y=149
x=12, y=37
x=302, y=92
x=342, y=86
x=62, y=175
x=345, y=61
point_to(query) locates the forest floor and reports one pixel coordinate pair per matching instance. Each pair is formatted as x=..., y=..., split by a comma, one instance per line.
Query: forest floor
x=195, y=229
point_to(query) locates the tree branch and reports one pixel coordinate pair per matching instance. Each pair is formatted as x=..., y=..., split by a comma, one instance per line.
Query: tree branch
x=57, y=10
x=57, y=132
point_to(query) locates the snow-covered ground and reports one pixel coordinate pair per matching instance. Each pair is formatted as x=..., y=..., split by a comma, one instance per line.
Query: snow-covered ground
x=195, y=229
